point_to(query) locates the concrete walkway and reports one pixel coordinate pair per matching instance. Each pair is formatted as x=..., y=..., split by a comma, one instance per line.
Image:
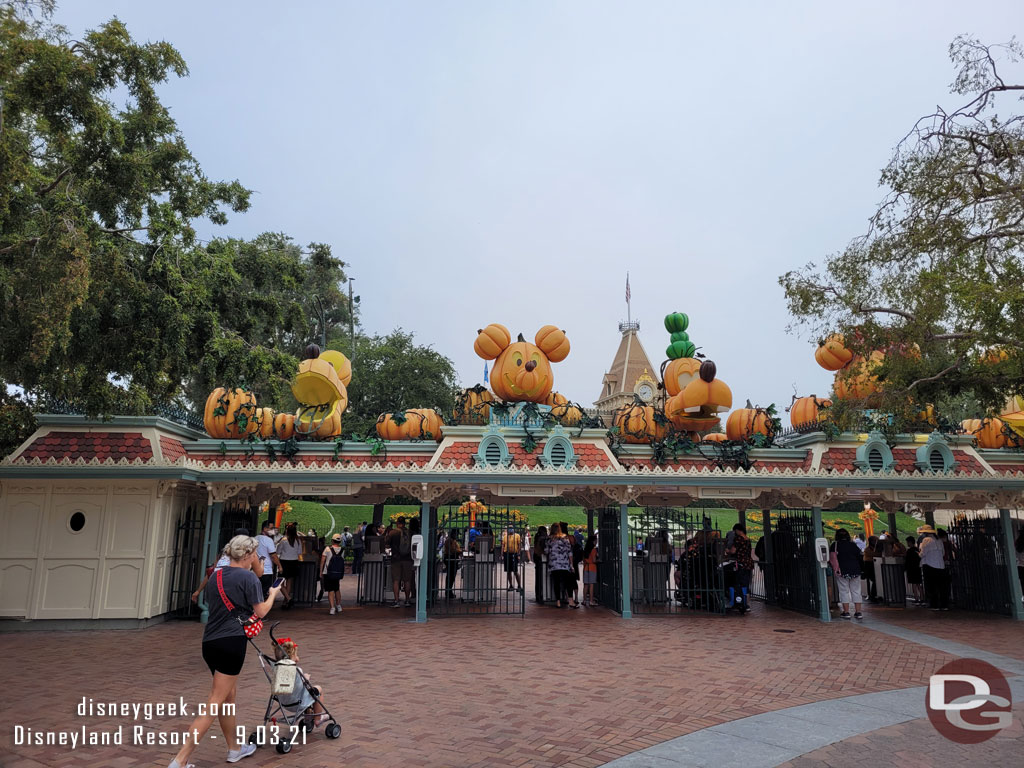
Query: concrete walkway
x=766, y=740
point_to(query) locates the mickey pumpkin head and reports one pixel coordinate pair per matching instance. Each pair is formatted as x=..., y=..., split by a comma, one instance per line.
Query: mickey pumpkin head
x=522, y=371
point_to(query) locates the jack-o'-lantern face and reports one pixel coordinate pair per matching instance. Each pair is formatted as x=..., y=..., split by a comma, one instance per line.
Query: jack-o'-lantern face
x=522, y=371
x=696, y=408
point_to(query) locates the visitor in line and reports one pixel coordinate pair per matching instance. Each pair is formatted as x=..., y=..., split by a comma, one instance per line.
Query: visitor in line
x=358, y=548
x=452, y=559
x=577, y=559
x=400, y=542
x=845, y=558
x=539, y=564
x=912, y=565
x=590, y=571
x=1019, y=546
x=268, y=554
x=288, y=551
x=860, y=542
x=933, y=569
x=332, y=571
x=233, y=593
x=744, y=564
x=868, y=568
x=948, y=556
x=222, y=562
x=511, y=544
x=559, y=552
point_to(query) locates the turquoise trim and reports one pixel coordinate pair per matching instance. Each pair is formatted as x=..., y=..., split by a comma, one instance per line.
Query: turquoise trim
x=424, y=574
x=210, y=536
x=121, y=422
x=492, y=438
x=558, y=438
x=875, y=441
x=936, y=444
x=1016, y=608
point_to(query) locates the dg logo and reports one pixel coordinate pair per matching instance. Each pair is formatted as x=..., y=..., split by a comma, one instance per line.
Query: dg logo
x=968, y=701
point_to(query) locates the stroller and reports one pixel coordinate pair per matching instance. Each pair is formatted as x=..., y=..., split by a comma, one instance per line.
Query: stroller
x=291, y=710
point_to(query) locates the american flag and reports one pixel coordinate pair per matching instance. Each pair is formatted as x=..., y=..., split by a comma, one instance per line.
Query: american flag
x=627, y=287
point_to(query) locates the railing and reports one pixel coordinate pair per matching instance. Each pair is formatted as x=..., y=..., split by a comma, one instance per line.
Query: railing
x=167, y=411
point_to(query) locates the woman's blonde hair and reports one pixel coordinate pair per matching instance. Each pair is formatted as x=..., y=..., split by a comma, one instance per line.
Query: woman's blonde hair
x=240, y=546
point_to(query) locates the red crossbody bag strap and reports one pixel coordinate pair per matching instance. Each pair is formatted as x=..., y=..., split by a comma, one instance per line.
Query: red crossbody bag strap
x=220, y=588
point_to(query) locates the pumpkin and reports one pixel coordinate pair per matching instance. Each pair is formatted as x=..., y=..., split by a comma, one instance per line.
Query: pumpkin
x=744, y=423
x=988, y=433
x=637, y=424
x=565, y=413
x=859, y=382
x=342, y=365
x=680, y=348
x=676, y=322
x=553, y=343
x=265, y=420
x=472, y=406
x=832, y=354
x=714, y=437
x=680, y=372
x=807, y=411
x=522, y=373
x=317, y=383
x=319, y=421
x=416, y=424
x=490, y=341
x=928, y=416
x=284, y=425
x=230, y=413
x=696, y=408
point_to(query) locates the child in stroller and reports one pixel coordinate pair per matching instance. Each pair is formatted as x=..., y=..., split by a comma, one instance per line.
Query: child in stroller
x=299, y=707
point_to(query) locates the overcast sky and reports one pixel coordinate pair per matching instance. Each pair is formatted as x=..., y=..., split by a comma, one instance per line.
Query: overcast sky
x=508, y=162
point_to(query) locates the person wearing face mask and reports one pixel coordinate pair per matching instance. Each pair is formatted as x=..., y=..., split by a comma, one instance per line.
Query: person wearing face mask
x=267, y=552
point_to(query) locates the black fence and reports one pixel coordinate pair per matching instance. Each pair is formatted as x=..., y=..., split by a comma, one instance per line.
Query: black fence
x=478, y=562
x=981, y=566
x=786, y=571
x=187, y=567
x=609, y=559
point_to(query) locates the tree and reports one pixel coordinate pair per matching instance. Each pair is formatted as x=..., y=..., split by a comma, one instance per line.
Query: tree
x=937, y=282
x=108, y=300
x=393, y=373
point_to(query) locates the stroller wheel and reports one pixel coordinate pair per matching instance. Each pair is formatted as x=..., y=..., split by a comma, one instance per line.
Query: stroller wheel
x=284, y=747
x=252, y=738
x=332, y=731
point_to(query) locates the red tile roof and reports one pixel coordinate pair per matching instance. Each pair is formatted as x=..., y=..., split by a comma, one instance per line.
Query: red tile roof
x=172, y=449
x=89, y=446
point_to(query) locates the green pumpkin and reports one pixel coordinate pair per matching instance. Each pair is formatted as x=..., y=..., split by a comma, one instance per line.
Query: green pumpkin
x=680, y=336
x=679, y=349
x=676, y=322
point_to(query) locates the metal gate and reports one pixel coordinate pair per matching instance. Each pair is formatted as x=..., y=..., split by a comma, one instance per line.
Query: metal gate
x=480, y=562
x=981, y=565
x=793, y=564
x=675, y=562
x=187, y=566
x=609, y=559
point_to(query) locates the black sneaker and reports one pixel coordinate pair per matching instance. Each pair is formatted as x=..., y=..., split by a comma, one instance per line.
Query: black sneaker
x=844, y=615
x=396, y=604
x=408, y=603
x=858, y=615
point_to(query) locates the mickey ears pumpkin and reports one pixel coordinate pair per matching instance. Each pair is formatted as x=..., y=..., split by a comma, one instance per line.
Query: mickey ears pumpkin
x=553, y=343
x=492, y=341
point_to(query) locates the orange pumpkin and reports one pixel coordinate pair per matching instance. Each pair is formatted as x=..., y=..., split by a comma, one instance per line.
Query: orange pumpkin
x=832, y=354
x=522, y=373
x=565, y=413
x=679, y=373
x=743, y=423
x=859, y=381
x=490, y=341
x=714, y=437
x=807, y=411
x=418, y=424
x=637, y=424
x=473, y=406
x=319, y=421
x=279, y=425
x=265, y=420
x=988, y=433
x=226, y=410
x=553, y=343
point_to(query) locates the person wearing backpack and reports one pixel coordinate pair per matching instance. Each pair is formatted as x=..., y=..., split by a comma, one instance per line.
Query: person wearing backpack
x=400, y=542
x=332, y=569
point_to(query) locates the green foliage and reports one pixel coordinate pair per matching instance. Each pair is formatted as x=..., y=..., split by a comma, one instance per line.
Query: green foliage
x=942, y=264
x=392, y=373
x=110, y=303
x=17, y=422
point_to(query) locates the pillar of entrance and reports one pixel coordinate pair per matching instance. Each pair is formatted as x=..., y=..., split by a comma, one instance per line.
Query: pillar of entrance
x=1016, y=608
x=819, y=532
x=211, y=536
x=929, y=514
x=427, y=527
x=769, y=572
x=590, y=522
x=627, y=592
x=741, y=516
x=378, y=514
x=892, y=526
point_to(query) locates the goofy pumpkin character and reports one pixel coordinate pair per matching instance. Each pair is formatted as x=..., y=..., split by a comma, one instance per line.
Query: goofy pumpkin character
x=522, y=371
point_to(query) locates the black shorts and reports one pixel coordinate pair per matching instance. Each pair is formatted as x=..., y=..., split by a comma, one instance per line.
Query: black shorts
x=331, y=583
x=511, y=562
x=225, y=654
x=289, y=568
x=743, y=577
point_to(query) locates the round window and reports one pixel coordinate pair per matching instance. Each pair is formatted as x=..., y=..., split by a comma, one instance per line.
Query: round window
x=77, y=522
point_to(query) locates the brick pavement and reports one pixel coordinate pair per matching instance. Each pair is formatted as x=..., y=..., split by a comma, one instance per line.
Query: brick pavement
x=915, y=744
x=558, y=688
